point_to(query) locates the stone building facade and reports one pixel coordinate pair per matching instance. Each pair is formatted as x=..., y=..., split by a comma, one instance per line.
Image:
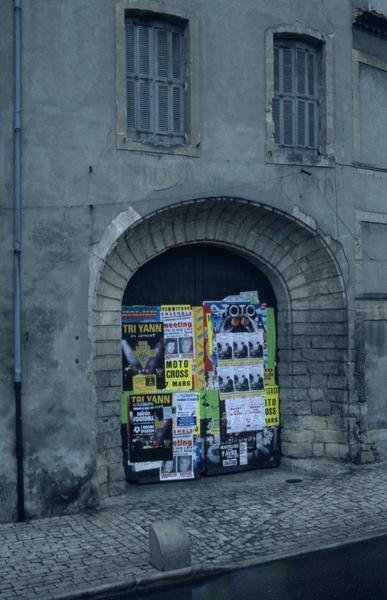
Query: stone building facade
x=291, y=178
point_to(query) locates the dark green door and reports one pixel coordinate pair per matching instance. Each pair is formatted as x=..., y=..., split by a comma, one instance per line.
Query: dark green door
x=192, y=274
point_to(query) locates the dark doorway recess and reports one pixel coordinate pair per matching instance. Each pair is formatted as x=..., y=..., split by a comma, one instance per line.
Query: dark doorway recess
x=194, y=273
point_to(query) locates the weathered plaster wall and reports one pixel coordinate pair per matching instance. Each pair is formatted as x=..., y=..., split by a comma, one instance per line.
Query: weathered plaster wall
x=7, y=426
x=76, y=182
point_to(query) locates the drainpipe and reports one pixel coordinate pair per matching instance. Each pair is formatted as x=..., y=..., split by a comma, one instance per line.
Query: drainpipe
x=17, y=252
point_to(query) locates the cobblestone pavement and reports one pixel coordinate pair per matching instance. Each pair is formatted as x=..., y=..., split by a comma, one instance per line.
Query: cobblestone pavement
x=230, y=518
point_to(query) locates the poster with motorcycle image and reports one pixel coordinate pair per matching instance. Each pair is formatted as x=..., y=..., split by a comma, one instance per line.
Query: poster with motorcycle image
x=238, y=331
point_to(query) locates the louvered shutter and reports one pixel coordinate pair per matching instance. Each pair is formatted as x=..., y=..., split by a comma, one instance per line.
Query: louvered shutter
x=176, y=55
x=162, y=108
x=130, y=48
x=177, y=109
x=162, y=53
x=301, y=87
x=276, y=69
x=287, y=71
x=312, y=118
x=162, y=93
x=144, y=106
x=295, y=106
x=177, y=90
x=130, y=103
x=276, y=119
x=301, y=121
x=155, y=81
x=130, y=73
x=288, y=122
x=311, y=74
x=301, y=68
x=143, y=41
x=144, y=120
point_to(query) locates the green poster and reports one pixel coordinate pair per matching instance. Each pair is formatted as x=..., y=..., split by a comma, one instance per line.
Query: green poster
x=270, y=338
x=124, y=407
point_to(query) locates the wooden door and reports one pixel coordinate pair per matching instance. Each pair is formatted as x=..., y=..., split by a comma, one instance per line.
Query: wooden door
x=194, y=273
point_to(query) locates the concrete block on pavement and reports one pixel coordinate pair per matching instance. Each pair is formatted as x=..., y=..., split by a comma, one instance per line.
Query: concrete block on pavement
x=169, y=545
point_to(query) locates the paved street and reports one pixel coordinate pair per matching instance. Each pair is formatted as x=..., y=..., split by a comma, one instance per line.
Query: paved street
x=230, y=519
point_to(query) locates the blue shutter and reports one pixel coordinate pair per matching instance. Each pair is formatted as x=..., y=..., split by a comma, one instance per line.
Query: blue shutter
x=162, y=54
x=130, y=104
x=288, y=130
x=176, y=55
x=130, y=72
x=155, y=81
x=144, y=120
x=312, y=125
x=143, y=66
x=162, y=108
x=276, y=119
x=162, y=88
x=295, y=107
x=287, y=71
x=311, y=74
x=301, y=62
x=144, y=105
x=130, y=48
x=276, y=69
x=301, y=122
x=177, y=106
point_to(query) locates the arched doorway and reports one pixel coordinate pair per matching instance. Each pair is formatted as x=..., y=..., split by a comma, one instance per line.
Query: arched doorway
x=303, y=268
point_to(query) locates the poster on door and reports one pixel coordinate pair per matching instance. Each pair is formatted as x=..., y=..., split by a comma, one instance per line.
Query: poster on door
x=179, y=468
x=178, y=331
x=179, y=347
x=245, y=414
x=150, y=427
x=178, y=374
x=237, y=333
x=186, y=410
x=272, y=406
x=142, y=355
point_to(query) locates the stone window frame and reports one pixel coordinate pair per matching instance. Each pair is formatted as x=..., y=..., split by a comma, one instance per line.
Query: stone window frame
x=373, y=304
x=167, y=12
x=358, y=58
x=325, y=155
x=300, y=123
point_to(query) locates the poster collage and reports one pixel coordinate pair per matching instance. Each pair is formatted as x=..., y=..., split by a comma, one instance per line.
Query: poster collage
x=199, y=393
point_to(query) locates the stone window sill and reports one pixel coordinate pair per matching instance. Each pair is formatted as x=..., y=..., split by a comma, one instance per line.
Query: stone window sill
x=294, y=156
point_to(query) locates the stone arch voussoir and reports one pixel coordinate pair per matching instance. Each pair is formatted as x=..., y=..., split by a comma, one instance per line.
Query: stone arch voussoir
x=312, y=318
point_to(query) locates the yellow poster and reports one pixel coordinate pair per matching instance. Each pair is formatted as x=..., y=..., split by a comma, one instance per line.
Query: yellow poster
x=178, y=374
x=272, y=416
x=144, y=383
x=209, y=332
x=269, y=376
x=175, y=310
x=199, y=376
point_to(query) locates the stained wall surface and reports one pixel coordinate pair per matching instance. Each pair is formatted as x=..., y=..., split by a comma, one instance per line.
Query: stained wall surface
x=84, y=199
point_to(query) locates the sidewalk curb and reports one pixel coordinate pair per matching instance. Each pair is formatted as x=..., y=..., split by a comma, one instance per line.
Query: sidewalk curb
x=196, y=572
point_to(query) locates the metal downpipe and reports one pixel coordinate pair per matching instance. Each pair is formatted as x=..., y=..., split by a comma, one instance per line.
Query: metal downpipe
x=17, y=276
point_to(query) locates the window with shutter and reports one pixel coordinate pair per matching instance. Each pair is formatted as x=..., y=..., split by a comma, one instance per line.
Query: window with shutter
x=155, y=81
x=295, y=106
